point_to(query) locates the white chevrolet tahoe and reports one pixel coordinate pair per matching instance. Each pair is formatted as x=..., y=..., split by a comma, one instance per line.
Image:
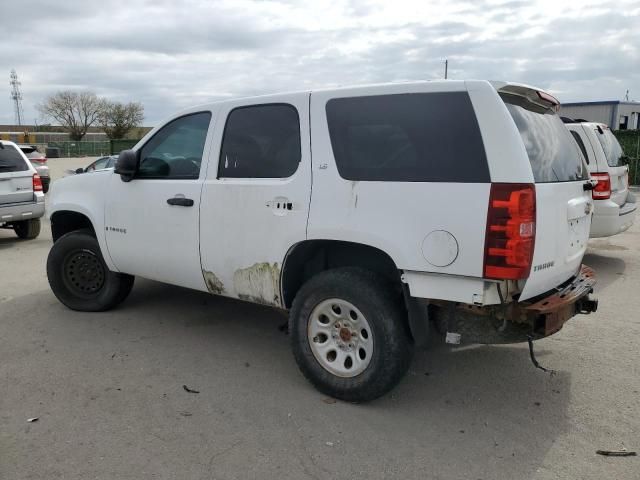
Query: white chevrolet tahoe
x=614, y=205
x=369, y=213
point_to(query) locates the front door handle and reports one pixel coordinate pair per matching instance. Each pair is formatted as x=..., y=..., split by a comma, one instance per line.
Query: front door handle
x=180, y=201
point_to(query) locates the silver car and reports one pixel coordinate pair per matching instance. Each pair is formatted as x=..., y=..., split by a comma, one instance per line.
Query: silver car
x=21, y=192
x=39, y=161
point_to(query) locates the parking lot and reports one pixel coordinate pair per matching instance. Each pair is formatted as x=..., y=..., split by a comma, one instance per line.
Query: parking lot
x=108, y=390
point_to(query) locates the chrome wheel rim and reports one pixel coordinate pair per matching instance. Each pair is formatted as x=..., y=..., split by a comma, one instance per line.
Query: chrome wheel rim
x=340, y=338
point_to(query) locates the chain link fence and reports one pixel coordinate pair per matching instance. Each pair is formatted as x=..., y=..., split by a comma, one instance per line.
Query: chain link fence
x=88, y=149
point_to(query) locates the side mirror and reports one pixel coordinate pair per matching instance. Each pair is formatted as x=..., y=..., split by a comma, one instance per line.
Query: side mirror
x=79, y=170
x=127, y=165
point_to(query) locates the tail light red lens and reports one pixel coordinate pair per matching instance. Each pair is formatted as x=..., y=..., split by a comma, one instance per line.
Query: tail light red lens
x=37, y=183
x=511, y=231
x=602, y=190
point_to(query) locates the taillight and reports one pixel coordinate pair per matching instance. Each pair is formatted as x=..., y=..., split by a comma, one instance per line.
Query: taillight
x=511, y=231
x=37, y=183
x=602, y=190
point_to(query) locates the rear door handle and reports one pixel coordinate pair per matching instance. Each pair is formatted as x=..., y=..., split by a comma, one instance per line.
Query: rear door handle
x=180, y=201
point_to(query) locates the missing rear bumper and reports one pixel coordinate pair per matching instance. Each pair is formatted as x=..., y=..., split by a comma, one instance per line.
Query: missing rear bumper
x=517, y=322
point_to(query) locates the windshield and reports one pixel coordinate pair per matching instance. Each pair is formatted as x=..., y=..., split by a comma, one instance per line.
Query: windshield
x=552, y=151
x=612, y=149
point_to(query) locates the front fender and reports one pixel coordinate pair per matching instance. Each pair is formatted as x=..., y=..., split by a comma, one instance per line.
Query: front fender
x=84, y=194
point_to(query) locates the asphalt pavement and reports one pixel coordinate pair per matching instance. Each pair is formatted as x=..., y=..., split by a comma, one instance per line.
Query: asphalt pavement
x=108, y=393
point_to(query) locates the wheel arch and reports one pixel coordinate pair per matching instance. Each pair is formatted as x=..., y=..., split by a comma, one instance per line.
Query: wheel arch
x=309, y=257
x=65, y=221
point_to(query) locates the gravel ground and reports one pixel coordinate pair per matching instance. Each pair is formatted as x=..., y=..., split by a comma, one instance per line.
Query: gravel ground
x=108, y=390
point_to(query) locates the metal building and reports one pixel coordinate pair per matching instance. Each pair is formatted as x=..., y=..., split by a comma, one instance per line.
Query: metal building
x=618, y=115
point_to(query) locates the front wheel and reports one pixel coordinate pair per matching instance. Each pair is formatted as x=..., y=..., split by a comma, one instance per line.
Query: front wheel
x=350, y=335
x=79, y=277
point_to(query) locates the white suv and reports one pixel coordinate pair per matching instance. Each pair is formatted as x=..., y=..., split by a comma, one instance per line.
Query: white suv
x=21, y=192
x=369, y=213
x=615, y=205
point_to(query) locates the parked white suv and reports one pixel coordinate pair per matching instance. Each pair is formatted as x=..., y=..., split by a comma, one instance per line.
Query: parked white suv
x=21, y=195
x=364, y=211
x=614, y=206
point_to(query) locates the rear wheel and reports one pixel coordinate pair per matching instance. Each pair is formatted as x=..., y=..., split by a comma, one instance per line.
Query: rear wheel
x=349, y=334
x=27, y=229
x=79, y=277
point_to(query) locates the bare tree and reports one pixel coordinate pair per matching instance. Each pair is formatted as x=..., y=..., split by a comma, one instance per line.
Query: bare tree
x=117, y=119
x=75, y=111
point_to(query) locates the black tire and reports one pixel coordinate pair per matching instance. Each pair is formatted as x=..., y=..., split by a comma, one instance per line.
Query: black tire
x=387, y=319
x=79, y=277
x=27, y=229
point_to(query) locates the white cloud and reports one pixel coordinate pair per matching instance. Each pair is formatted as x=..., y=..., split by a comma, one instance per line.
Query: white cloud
x=169, y=54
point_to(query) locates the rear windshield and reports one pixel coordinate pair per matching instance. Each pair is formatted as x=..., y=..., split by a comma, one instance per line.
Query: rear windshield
x=553, y=153
x=417, y=137
x=612, y=149
x=11, y=160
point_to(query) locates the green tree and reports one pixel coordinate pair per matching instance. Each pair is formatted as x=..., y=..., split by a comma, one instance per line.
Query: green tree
x=117, y=119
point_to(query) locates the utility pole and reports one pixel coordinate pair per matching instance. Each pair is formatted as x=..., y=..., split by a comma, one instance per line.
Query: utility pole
x=16, y=96
x=446, y=68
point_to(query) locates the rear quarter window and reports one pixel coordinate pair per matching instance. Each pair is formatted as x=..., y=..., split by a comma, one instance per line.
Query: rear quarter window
x=583, y=149
x=11, y=160
x=553, y=153
x=612, y=149
x=417, y=137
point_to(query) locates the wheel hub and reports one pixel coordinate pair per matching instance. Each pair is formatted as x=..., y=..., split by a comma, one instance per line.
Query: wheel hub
x=340, y=337
x=345, y=334
x=84, y=273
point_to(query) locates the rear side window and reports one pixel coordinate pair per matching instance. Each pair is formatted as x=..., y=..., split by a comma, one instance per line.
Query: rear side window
x=580, y=143
x=11, y=160
x=417, y=137
x=261, y=141
x=612, y=149
x=553, y=153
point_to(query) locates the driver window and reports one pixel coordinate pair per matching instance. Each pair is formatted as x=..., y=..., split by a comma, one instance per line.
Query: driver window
x=175, y=151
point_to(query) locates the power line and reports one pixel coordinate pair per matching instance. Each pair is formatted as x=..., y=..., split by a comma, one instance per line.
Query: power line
x=16, y=96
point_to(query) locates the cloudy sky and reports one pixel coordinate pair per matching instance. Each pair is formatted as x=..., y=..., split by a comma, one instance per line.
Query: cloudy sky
x=172, y=54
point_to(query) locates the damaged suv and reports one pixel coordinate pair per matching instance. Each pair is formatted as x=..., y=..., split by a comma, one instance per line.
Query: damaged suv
x=369, y=213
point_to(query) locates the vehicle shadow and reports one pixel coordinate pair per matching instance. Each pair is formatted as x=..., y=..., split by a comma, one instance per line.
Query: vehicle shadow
x=482, y=410
x=8, y=238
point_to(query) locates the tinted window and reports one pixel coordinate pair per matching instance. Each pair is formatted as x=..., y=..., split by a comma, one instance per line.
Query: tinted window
x=553, y=153
x=612, y=149
x=11, y=160
x=418, y=137
x=175, y=151
x=261, y=141
x=580, y=143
